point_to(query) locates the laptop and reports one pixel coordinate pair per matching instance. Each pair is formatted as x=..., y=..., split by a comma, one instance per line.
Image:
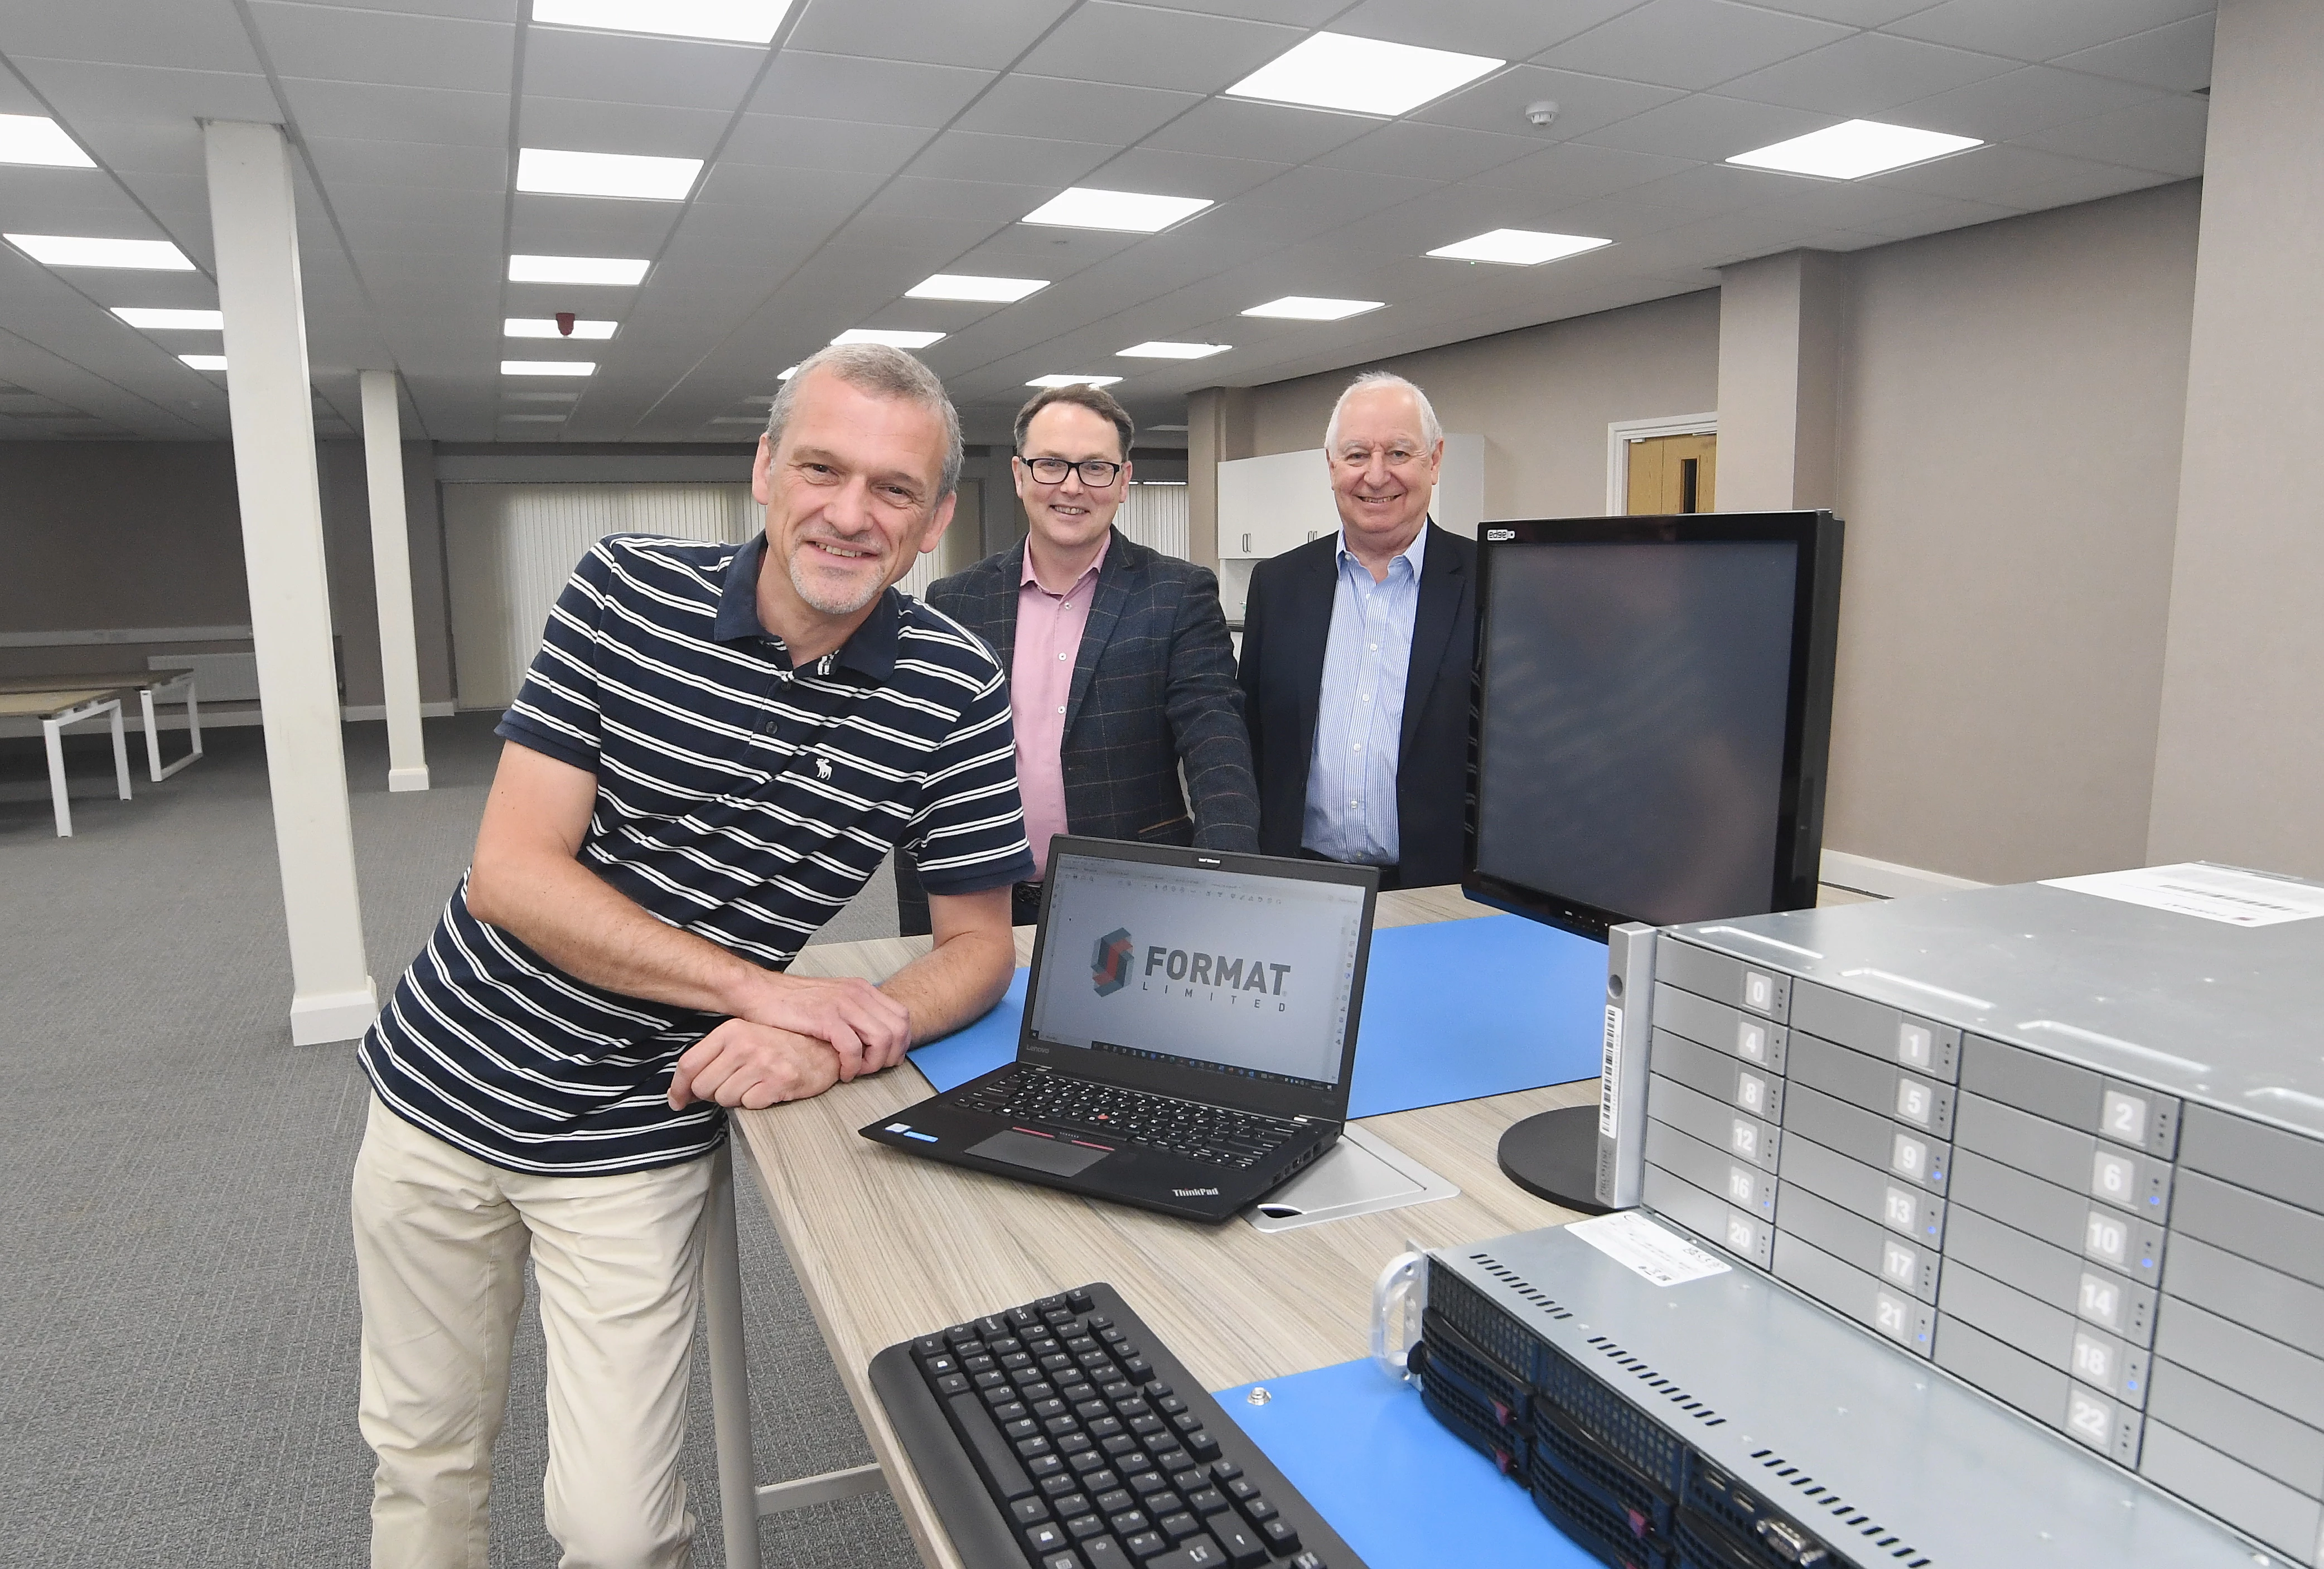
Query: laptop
x=1188, y=1036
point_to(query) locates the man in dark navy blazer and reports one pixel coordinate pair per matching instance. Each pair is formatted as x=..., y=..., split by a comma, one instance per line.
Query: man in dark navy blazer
x=1121, y=668
x=1357, y=657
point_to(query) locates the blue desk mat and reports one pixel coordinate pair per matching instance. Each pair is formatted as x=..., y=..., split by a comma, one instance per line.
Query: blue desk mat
x=1453, y=1009
x=1400, y=1490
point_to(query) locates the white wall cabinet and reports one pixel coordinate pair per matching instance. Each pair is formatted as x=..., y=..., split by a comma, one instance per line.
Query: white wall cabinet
x=1269, y=505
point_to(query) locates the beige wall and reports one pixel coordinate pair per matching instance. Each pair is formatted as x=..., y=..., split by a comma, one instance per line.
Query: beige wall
x=2011, y=402
x=1540, y=398
x=2239, y=770
x=355, y=597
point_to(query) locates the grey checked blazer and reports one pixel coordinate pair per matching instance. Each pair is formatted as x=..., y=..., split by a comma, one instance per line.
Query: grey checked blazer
x=1154, y=685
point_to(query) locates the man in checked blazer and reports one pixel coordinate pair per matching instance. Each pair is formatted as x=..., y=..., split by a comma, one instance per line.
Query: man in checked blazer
x=1357, y=657
x=1121, y=671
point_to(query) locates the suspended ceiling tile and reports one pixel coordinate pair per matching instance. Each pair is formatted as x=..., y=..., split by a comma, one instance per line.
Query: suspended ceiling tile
x=379, y=205
x=2001, y=174
x=1032, y=160
x=723, y=235
x=373, y=242
x=2165, y=135
x=2086, y=183
x=201, y=35
x=1162, y=172
x=89, y=90
x=1708, y=189
x=1497, y=29
x=585, y=227
x=342, y=43
x=2045, y=31
x=1275, y=132
x=1429, y=151
x=1575, y=170
x=992, y=203
x=174, y=291
x=1862, y=77
x=410, y=163
x=989, y=33
x=1141, y=46
x=1850, y=12
x=1024, y=104
x=837, y=87
x=927, y=235
x=819, y=196
x=361, y=112
x=790, y=142
x=657, y=131
x=158, y=147
x=2029, y=99
x=1932, y=218
x=622, y=69
x=1708, y=128
x=2176, y=57
x=1344, y=194
x=1290, y=13
x=1584, y=102
x=1690, y=44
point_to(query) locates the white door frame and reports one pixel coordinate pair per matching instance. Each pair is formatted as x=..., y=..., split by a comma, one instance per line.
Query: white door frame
x=1621, y=433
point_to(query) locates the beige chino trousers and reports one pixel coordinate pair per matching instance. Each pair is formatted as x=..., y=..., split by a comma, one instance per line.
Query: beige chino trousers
x=441, y=1239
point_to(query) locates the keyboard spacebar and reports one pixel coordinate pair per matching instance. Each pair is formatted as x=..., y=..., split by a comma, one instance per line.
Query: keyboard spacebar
x=990, y=1451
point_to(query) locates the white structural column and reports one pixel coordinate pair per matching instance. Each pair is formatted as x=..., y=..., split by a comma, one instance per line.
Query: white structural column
x=391, y=571
x=2240, y=745
x=1779, y=331
x=254, y=228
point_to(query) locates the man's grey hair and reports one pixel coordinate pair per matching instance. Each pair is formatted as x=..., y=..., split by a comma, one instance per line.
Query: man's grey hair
x=1431, y=432
x=884, y=372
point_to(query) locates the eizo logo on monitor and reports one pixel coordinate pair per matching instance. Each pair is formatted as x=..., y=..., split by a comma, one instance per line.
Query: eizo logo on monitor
x=1109, y=963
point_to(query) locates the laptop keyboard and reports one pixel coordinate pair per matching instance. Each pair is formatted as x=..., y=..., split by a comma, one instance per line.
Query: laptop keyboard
x=1189, y=1128
x=1063, y=1435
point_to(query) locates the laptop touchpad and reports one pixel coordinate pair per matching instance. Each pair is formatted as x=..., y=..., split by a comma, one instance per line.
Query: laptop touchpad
x=1055, y=1156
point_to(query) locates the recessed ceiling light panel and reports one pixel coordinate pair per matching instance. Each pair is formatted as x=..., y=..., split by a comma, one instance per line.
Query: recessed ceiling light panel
x=205, y=361
x=1854, y=150
x=179, y=321
x=548, y=368
x=82, y=250
x=549, y=171
x=963, y=286
x=1073, y=381
x=37, y=140
x=894, y=337
x=1128, y=211
x=618, y=270
x=725, y=21
x=1519, y=247
x=542, y=326
x=1332, y=70
x=1310, y=308
x=784, y=376
x=1162, y=349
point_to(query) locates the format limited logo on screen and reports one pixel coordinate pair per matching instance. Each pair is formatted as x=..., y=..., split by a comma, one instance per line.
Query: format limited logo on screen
x=1116, y=954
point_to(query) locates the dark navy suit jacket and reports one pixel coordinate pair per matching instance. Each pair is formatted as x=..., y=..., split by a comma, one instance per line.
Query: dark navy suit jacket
x=1287, y=626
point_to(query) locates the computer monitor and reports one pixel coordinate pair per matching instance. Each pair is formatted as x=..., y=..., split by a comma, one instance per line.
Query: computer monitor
x=1653, y=713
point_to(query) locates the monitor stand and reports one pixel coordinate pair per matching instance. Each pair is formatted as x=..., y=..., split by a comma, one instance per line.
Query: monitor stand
x=1553, y=1155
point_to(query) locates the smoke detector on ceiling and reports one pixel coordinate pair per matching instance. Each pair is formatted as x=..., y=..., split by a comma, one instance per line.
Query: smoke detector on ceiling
x=1542, y=111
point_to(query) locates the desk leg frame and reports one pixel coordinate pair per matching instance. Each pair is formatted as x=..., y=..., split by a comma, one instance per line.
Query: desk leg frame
x=153, y=733
x=740, y=1500
x=52, y=732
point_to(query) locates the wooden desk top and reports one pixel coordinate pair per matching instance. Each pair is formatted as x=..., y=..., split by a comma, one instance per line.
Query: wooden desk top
x=46, y=702
x=81, y=680
x=888, y=1247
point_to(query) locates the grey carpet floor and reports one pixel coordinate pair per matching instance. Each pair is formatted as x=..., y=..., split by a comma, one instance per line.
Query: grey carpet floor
x=177, y=1313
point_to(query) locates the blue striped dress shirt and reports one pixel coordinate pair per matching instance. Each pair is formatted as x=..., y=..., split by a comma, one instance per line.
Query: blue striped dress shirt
x=1351, y=813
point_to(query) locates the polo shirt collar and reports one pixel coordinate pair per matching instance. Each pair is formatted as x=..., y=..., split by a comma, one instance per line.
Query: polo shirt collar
x=1413, y=554
x=870, y=650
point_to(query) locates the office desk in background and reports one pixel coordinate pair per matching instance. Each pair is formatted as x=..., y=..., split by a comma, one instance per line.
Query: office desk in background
x=887, y=1247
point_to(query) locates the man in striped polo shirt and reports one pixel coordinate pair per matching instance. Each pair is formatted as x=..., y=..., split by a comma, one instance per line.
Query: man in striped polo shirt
x=714, y=748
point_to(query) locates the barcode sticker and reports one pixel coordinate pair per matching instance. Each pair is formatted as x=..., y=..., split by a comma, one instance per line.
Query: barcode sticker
x=1608, y=1063
x=1663, y=1257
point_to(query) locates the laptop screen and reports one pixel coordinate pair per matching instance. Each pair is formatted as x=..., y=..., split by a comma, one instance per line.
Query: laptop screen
x=1233, y=971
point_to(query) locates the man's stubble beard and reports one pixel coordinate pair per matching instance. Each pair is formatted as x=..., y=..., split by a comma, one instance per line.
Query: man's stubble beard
x=802, y=583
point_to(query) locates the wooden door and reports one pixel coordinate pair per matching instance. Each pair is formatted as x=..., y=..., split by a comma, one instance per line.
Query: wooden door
x=1673, y=474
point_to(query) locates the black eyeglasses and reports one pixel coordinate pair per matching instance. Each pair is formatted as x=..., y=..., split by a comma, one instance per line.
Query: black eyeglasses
x=1097, y=473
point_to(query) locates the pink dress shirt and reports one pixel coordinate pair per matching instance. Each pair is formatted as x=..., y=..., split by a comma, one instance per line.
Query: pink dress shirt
x=1040, y=681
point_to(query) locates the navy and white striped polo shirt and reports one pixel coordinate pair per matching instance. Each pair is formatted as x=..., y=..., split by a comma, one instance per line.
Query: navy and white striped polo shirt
x=737, y=799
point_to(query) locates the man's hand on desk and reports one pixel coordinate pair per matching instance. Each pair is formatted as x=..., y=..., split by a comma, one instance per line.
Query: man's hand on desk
x=744, y=1064
x=869, y=1028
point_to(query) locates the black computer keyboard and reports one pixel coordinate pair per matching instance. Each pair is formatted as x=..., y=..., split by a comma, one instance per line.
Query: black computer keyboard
x=1183, y=1127
x=1063, y=1435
